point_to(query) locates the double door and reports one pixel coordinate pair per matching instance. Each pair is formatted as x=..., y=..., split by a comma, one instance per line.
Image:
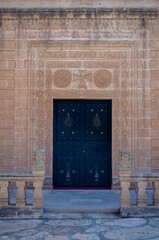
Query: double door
x=82, y=144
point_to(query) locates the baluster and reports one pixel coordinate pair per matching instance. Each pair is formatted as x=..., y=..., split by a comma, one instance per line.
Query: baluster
x=20, y=201
x=4, y=194
x=38, y=194
x=125, y=196
x=142, y=198
x=156, y=193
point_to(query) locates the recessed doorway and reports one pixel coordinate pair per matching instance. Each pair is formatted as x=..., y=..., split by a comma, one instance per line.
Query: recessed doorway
x=82, y=144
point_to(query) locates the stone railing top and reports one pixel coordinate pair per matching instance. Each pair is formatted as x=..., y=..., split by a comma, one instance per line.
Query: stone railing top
x=145, y=175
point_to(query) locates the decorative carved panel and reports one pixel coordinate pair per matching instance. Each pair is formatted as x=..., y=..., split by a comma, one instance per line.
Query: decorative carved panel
x=83, y=82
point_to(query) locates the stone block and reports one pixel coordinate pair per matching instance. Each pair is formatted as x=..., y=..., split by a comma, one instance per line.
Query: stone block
x=154, y=64
x=155, y=133
x=7, y=103
x=6, y=113
x=6, y=123
x=6, y=84
x=154, y=75
x=6, y=54
x=155, y=85
x=6, y=133
x=6, y=142
x=5, y=94
x=154, y=35
x=155, y=143
x=155, y=123
x=154, y=54
x=7, y=44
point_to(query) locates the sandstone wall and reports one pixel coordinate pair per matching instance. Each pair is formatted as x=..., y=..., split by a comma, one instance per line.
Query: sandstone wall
x=39, y=47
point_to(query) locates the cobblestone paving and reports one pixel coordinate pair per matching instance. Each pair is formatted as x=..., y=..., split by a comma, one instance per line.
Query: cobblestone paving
x=81, y=227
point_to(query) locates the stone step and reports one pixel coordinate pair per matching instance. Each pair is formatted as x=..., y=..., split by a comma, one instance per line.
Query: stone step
x=87, y=209
x=81, y=201
x=84, y=215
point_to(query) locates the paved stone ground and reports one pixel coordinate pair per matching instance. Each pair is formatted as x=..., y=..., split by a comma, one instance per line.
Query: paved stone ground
x=67, y=226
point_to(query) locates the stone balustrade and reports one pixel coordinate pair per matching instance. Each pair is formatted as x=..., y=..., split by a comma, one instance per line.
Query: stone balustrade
x=24, y=190
x=139, y=191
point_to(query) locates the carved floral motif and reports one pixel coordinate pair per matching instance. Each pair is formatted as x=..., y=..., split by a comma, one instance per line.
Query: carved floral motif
x=102, y=78
x=62, y=78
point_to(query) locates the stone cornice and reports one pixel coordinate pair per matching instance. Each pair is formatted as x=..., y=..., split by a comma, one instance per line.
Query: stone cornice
x=80, y=13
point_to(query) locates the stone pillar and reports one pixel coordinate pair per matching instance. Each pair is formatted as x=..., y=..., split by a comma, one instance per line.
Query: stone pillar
x=3, y=194
x=124, y=176
x=142, y=198
x=38, y=195
x=38, y=173
x=156, y=193
x=20, y=200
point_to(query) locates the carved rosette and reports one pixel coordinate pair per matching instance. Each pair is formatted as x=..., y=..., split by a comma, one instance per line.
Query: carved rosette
x=102, y=78
x=62, y=78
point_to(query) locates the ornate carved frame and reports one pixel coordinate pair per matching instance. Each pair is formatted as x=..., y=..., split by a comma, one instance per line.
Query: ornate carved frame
x=118, y=59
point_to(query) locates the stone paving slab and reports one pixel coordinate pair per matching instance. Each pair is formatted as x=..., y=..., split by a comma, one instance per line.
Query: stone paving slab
x=69, y=226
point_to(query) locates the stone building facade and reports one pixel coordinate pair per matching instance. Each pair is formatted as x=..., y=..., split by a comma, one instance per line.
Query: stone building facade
x=85, y=50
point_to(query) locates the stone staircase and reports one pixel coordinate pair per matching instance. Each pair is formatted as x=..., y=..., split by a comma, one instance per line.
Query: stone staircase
x=80, y=201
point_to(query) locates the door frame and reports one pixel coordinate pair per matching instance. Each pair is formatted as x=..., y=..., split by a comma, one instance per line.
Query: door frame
x=54, y=135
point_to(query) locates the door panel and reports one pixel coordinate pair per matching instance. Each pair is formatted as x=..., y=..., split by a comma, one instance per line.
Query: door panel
x=82, y=143
x=68, y=122
x=96, y=171
x=68, y=171
x=96, y=118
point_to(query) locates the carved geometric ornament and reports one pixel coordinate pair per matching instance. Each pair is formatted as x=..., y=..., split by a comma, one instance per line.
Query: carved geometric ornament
x=102, y=78
x=62, y=78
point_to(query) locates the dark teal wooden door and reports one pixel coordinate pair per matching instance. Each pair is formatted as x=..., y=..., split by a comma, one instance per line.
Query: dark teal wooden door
x=82, y=144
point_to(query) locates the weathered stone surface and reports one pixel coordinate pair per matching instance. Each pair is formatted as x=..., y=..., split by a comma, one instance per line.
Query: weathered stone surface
x=50, y=237
x=25, y=233
x=80, y=222
x=66, y=230
x=7, y=237
x=145, y=232
x=97, y=228
x=36, y=236
x=85, y=236
x=128, y=222
x=17, y=225
x=154, y=222
x=118, y=229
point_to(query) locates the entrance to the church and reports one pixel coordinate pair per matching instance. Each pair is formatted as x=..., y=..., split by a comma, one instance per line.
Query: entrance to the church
x=82, y=144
